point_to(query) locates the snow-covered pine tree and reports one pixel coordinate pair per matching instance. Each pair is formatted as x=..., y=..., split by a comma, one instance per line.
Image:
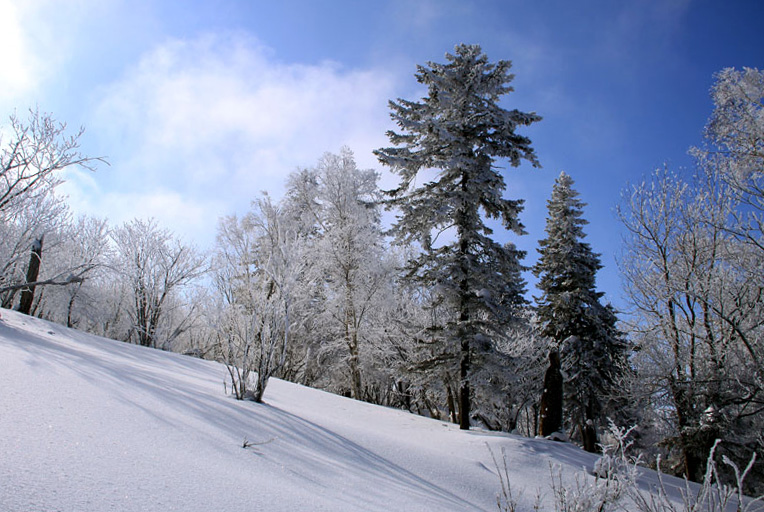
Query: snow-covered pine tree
x=459, y=130
x=573, y=318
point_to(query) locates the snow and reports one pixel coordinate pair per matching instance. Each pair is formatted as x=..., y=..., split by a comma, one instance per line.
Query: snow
x=90, y=424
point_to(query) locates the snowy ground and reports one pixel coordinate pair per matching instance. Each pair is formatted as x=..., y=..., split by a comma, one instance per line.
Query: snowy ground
x=89, y=424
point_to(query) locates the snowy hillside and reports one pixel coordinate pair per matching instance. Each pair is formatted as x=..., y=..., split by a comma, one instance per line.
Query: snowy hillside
x=89, y=424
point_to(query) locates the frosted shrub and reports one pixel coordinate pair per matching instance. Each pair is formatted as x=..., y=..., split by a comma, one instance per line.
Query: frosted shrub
x=604, y=494
x=614, y=478
x=616, y=486
x=711, y=496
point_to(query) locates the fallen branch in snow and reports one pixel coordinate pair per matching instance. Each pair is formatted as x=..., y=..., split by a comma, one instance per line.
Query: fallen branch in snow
x=247, y=443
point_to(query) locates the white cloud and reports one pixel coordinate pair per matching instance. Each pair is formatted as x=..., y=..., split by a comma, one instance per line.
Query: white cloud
x=17, y=62
x=215, y=120
x=184, y=215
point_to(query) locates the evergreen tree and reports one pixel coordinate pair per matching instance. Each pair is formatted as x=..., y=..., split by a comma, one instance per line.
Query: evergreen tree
x=459, y=130
x=572, y=316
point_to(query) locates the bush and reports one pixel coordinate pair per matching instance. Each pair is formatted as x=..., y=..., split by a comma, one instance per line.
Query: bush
x=619, y=484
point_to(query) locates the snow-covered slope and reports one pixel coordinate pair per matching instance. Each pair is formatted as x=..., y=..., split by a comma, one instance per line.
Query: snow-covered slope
x=89, y=424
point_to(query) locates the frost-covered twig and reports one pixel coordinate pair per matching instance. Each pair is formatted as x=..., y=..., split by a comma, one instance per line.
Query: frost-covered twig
x=505, y=501
x=616, y=486
x=247, y=443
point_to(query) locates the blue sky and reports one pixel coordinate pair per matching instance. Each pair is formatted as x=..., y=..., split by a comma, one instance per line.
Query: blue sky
x=199, y=106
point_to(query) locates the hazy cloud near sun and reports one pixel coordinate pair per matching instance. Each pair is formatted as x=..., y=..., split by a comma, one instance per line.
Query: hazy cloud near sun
x=17, y=61
x=218, y=119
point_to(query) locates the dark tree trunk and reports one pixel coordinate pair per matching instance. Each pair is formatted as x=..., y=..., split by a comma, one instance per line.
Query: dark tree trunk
x=259, y=391
x=70, y=309
x=452, y=415
x=404, y=391
x=355, y=371
x=589, y=437
x=27, y=294
x=694, y=463
x=465, y=333
x=550, y=409
x=589, y=431
x=464, y=391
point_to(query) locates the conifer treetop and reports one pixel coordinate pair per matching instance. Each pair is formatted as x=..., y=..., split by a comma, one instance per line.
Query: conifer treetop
x=567, y=264
x=459, y=129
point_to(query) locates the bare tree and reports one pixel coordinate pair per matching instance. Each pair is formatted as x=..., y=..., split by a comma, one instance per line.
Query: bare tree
x=340, y=201
x=77, y=252
x=697, y=317
x=155, y=268
x=261, y=268
x=33, y=154
x=693, y=269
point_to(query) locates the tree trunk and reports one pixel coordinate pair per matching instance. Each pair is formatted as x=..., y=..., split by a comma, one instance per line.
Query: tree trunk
x=27, y=294
x=683, y=399
x=403, y=388
x=70, y=309
x=355, y=372
x=550, y=409
x=463, y=229
x=464, y=391
x=589, y=430
x=589, y=437
x=260, y=384
x=452, y=415
x=351, y=339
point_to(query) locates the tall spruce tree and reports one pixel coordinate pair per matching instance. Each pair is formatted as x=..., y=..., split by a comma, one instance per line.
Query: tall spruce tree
x=584, y=331
x=459, y=130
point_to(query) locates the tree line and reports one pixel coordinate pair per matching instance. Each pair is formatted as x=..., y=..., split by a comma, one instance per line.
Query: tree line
x=431, y=314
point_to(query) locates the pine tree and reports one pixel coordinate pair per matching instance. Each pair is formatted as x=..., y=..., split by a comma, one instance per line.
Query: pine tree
x=573, y=318
x=459, y=130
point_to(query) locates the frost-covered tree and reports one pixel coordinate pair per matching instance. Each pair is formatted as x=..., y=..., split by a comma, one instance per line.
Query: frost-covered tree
x=38, y=217
x=154, y=267
x=33, y=153
x=339, y=202
x=81, y=244
x=510, y=377
x=459, y=130
x=580, y=327
x=735, y=136
x=693, y=273
x=262, y=274
x=697, y=305
x=734, y=156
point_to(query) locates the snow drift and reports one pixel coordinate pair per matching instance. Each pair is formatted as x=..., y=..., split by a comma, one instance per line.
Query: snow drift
x=88, y=423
